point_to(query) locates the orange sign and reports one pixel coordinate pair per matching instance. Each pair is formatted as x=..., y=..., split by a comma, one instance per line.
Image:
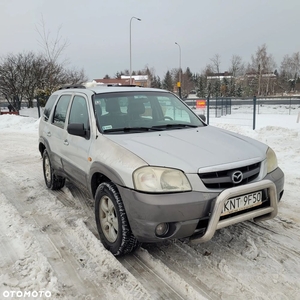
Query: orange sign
x=200, y=103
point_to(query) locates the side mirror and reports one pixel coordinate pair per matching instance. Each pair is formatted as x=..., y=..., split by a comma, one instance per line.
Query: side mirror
x=77, y=129
x=202, y=117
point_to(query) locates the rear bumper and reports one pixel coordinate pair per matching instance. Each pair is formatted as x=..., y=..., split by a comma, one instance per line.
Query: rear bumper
x=183, y=211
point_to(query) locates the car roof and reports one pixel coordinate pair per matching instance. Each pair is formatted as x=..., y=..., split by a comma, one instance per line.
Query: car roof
x=107, y=89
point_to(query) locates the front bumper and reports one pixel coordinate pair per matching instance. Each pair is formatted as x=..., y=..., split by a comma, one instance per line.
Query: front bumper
x=258, y=214
x=184, y=211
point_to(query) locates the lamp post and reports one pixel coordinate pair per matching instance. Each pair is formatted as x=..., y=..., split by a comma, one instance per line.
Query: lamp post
x=179, y=82
x=130, y=45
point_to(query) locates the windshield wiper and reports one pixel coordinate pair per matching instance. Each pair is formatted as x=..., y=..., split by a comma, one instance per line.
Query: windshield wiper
x=175, y=126
x=131, y=129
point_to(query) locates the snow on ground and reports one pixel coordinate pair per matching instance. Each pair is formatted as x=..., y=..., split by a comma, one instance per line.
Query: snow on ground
x=48, y=243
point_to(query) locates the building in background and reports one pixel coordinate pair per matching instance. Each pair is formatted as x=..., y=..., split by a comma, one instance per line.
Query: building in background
x=141, y=80
x=114, y=81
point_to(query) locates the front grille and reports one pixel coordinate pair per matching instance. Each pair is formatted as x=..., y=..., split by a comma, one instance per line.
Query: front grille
x=223, y=179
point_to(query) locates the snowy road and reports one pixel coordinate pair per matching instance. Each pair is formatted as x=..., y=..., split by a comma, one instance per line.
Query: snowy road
x=48, y=242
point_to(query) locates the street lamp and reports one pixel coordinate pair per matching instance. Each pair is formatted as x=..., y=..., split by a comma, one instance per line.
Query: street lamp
x=179, y=82
x=130, y=45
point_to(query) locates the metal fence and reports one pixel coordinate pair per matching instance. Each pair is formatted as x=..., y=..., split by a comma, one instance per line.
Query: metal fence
x=245, y=110
x=223, y=107
x=242, y=110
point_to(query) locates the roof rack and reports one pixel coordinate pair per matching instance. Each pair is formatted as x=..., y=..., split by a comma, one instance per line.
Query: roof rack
x=122, y=85
x=72, y=86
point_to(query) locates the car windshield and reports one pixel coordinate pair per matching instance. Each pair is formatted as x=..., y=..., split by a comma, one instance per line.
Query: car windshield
x=142, y=111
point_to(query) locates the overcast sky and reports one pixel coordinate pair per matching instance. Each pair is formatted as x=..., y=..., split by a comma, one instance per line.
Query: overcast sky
x=98, y=31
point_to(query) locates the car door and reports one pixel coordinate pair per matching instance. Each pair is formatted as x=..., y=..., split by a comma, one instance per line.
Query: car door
x=76, y=158
x=56, y=130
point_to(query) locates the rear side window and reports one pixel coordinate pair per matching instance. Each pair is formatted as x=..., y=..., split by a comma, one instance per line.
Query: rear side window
x=60, y=112
x=48, y=107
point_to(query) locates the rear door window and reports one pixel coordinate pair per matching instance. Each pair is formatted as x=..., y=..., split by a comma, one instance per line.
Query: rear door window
x=60, y=112
x=48, y=107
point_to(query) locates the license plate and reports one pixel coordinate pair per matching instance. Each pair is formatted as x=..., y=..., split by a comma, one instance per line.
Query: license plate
x=239, y=203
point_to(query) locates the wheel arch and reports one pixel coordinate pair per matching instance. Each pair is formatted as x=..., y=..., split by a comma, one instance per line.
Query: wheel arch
x=102, y=173
x=43, y=144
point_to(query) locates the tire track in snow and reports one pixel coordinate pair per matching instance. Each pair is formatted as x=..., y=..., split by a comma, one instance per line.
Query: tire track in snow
x=150, y=279
x=54, y=246
x=65, y=242
x=81, y=271
x=156, y=285
x=184, y=282
x=255, y=246
x=246, y=254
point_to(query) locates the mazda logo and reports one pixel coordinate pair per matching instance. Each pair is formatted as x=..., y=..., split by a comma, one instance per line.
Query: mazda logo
x=237, y=177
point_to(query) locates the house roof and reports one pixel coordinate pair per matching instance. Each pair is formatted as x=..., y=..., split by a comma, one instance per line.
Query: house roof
x=119, y=81
x=136, y=77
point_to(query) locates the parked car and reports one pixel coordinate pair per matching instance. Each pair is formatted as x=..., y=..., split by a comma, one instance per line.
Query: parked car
x=154, y=168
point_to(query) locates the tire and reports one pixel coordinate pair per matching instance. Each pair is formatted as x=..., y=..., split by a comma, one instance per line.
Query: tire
x=112, y=223
x=52, y=181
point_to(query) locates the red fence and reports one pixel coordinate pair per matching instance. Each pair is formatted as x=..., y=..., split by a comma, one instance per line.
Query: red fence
x=9, y=112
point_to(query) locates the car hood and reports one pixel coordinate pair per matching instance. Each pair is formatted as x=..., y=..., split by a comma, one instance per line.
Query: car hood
x=192, y=149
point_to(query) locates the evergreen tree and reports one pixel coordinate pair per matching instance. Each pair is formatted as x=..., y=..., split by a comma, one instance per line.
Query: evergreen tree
x=225, y=87
x=209, y=89
x=155, y=82
x=159, y=84
x=118, y=75
x=187, y=82
x=200, y=88
x=217, y=87
x=189, y=75
x=239, y=91
x=232, y=87
x=168, y=82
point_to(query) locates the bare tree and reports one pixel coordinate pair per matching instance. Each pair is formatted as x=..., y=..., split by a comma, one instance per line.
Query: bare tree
x=14, y=72
x=208, y=70
x=237, y=67
x=20, y=76
x=216, y=62
x=262, y=65
x=289, y=71
x=25, y=76
x=53, y=48
x=57, y=72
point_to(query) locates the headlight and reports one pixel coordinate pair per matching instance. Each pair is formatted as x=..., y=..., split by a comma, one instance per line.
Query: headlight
x=271, y=160
x=160, y=180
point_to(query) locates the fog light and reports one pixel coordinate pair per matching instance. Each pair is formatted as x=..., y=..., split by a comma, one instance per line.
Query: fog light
x=162, y=229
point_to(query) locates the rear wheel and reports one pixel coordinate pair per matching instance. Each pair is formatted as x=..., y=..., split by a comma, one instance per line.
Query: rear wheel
x=112, y=222
x=52, y=181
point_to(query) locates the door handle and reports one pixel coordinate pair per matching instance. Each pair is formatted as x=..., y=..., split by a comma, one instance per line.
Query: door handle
x=66, y=142
x=48, y=133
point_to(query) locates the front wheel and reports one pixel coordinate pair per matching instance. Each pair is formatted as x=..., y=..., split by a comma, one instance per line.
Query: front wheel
x=52, y=181
x=111, y=220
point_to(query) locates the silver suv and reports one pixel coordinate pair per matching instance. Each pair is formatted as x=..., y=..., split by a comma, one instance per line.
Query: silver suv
x=154, y=168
